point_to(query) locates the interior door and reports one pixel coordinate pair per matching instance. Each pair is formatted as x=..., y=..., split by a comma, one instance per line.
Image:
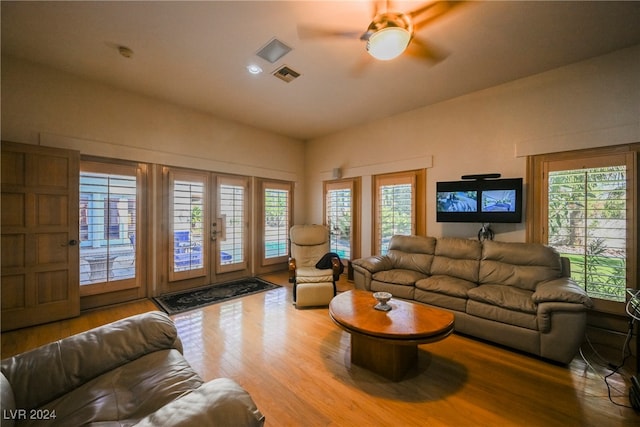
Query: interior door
x=39, y=237
x=230, y=228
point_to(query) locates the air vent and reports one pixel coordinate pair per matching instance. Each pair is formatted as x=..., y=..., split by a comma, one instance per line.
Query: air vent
x=286, y=74
x=273, y=50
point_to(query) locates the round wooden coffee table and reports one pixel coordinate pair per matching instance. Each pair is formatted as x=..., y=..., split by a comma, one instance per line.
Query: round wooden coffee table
x=387, y=342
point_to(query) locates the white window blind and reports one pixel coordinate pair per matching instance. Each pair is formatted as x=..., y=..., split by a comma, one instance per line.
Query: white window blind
x=395, y=207
x=107, y=227
x=232, y=203
x=587, y=223
x=276, y=222
x=339, y=220
x=187, y=225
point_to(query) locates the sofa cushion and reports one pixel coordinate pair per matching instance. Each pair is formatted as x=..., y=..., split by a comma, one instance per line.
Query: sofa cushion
x=522, y=265
x=441, y=300
x=508, y=297
x=129, y=392
x=501, y=315
x=457, y=258
x=412, y=252
x=413, y=244
x=446, y=285
x=313, y=275
x=398, y=291
x=219, y=402
x=399, y=276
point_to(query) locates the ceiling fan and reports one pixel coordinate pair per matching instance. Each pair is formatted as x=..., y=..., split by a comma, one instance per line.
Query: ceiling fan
x=392, y=32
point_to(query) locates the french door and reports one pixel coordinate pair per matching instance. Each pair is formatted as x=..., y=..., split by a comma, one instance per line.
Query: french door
x=207, y=233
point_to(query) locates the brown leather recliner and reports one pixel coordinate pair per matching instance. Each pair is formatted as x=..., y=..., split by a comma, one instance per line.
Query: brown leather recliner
x=312, y=286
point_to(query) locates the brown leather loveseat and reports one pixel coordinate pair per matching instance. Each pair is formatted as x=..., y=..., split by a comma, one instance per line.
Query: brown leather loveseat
x=129, y=372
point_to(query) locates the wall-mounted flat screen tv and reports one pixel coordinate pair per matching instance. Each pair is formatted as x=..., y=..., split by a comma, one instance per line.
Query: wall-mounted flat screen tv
x=483, y=200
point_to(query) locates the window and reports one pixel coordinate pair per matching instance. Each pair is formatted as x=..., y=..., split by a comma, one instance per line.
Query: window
x=109, y=200
x=341, y=214
x=276, y=221
x=399, y=207
x=231, y=222
x=587, y=210
x=187, y=208
x=587, y=223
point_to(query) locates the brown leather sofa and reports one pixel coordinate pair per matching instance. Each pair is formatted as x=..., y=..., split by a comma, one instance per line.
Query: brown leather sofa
x=130, y=372
x=516, y=294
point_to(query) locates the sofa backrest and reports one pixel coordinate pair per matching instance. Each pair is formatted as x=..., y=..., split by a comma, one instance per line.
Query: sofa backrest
x=412, y=252
x=457, y=258
x=522, y=265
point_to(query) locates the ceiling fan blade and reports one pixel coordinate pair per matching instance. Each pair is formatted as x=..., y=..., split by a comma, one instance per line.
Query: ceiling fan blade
x=436, y=11
x=311, y=32
x=421, y=49
x=422, y=9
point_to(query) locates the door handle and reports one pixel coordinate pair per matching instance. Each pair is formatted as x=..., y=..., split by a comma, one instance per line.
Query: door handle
x=71, y=242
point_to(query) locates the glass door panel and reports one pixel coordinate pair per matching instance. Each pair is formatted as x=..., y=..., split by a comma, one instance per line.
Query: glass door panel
x=230, y=228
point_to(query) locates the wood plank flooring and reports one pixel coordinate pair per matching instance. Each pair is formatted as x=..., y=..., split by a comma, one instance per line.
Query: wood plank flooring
x=296, y=365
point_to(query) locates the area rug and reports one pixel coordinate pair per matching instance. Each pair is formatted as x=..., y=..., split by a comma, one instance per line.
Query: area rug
x=190, y=300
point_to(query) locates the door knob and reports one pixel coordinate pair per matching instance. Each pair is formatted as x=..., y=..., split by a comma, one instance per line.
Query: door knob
x=73, y=242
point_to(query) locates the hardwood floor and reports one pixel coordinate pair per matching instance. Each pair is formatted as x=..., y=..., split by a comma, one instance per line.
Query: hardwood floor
x=296, y=365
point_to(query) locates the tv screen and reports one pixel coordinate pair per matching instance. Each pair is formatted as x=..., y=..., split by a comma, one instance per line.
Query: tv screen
x=457, y=201
x=483, y=201
x=499, y=200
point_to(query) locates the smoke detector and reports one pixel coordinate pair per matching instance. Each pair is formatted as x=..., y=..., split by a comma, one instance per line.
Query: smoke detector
x=273, y=50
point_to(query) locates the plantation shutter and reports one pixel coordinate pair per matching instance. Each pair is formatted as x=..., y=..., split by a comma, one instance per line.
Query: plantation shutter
x=338, y=217
x=186, y=240
x=587, y=217
x=394, y=208
x=277, y=199
x=108, y=224
x=231, y=210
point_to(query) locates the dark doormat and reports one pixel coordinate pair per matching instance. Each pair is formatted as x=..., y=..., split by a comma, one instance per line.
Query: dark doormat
x=190, y=300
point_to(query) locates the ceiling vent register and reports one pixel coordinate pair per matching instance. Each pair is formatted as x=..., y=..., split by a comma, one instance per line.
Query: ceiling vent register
x=286, y=74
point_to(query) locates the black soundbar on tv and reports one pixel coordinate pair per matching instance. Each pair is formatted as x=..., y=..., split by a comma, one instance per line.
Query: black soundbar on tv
x=480, y=200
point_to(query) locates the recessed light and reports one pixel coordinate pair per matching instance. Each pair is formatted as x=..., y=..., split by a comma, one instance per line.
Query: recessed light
x=254, y=69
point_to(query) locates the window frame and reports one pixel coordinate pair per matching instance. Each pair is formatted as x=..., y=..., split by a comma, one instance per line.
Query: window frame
x=417, y=180
x=538, y=167
x=354, y=185
x=139, y=170
x=263, y=185
x=174, y=175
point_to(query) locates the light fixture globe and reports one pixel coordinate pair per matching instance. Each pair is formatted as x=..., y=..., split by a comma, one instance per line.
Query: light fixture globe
x=388, y=35
x=388, y=43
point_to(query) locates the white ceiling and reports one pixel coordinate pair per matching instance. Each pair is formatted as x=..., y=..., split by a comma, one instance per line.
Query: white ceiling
x=195, y=53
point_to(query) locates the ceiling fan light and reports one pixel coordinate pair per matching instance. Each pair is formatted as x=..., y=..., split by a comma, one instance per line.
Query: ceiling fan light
x=388, y=43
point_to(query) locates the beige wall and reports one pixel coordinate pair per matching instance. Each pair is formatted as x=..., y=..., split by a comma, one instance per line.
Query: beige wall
x=588, y=104
x=49, y=107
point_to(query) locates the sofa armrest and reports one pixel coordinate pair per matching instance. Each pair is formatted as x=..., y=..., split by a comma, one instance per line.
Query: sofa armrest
x=374, y=263
x=547, y=310
x=563, y=289
x=218, y=402
x=45, y=373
